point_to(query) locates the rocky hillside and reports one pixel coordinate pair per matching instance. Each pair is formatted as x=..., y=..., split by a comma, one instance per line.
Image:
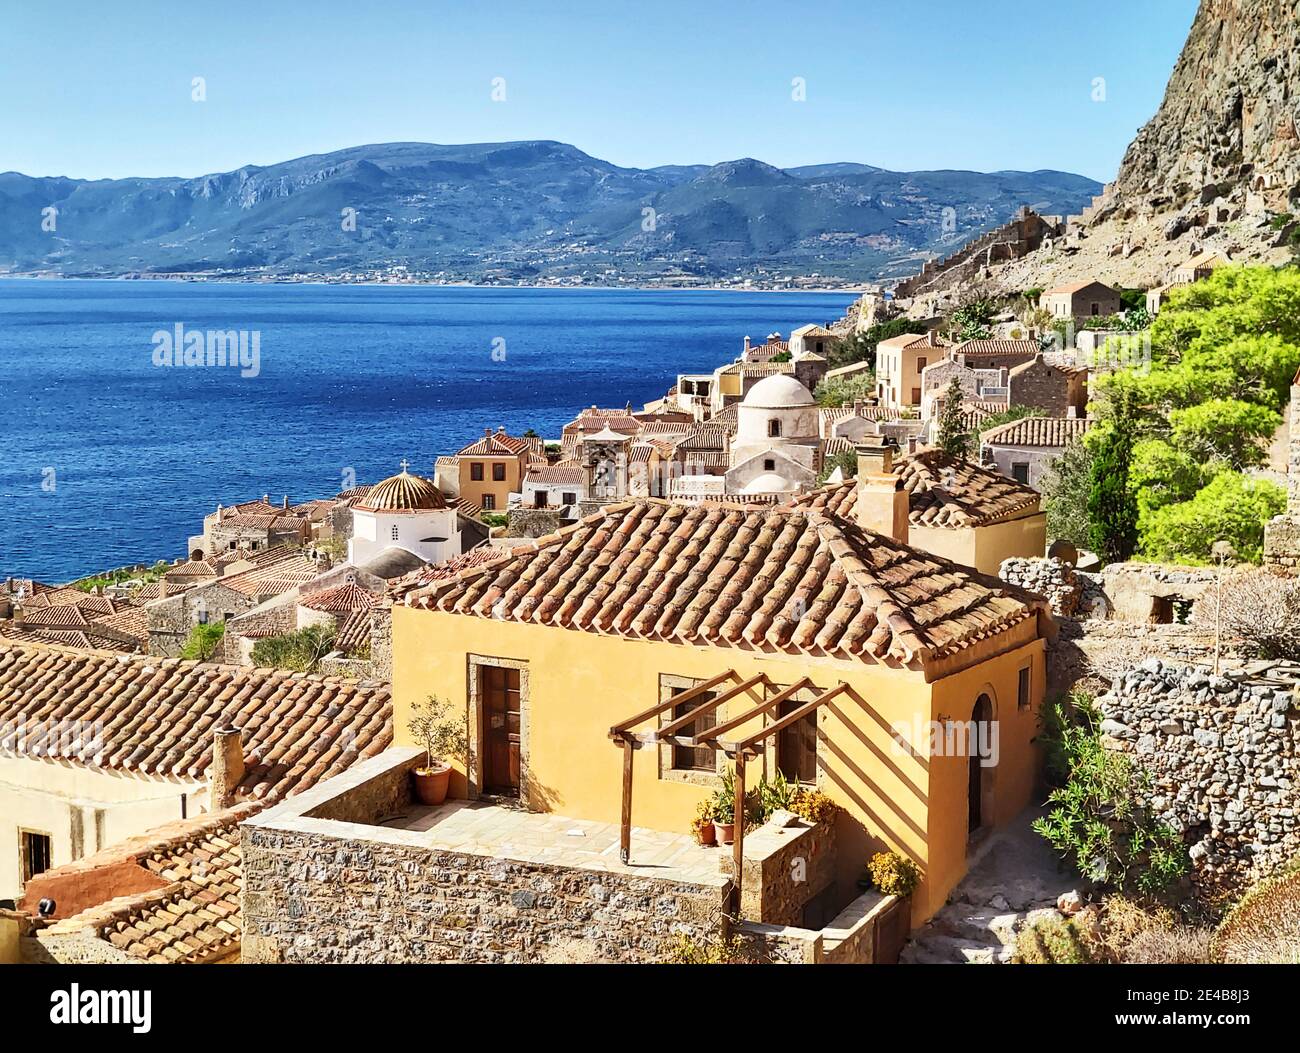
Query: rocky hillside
x=1217, y=168
x=513, y=211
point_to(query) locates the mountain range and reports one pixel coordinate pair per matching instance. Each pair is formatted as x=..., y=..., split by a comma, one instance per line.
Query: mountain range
x=516, y=211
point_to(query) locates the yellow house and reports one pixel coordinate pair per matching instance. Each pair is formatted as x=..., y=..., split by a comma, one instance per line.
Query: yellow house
x=928, y=677
x=899, y=362
x=492, y=468
x=955, y=509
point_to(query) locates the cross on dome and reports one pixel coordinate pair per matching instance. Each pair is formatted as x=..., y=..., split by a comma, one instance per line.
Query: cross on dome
x=404, y=463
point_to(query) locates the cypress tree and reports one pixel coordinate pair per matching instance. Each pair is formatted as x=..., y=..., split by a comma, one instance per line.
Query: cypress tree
x=1112, y=505
x=953, y=439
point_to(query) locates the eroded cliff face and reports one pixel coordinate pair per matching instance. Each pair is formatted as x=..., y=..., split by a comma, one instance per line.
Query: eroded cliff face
x=1213, y=170
x=1228, y=123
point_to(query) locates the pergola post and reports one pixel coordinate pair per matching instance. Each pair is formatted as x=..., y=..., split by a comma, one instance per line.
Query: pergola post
x=625, y=819
x=738, y=818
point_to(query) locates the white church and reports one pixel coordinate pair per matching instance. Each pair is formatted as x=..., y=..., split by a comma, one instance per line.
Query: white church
x=408, y=512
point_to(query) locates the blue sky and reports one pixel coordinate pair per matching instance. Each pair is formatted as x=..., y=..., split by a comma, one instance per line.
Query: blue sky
x=104, y=90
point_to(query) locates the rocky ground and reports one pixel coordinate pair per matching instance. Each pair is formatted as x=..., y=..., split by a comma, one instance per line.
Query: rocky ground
x=1015, y=880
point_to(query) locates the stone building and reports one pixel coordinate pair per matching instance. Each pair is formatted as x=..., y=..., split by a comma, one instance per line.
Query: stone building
x=1055, y=389
x=1081, y=300
x=253, y=526
x=1024, y=449
x=1282, y=534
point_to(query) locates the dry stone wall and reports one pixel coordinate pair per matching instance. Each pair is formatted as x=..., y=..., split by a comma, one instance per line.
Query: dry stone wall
x=1224, y=756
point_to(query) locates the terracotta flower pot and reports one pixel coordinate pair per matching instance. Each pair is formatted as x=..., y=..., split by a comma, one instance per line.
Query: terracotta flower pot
x=726, y=832
x=706, y=834
x=431, y=783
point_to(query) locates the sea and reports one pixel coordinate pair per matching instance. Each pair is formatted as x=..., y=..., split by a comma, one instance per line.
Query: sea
x=114, y=449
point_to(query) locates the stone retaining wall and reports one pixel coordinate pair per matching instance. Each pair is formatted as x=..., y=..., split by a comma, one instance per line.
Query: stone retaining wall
x=1224, y=754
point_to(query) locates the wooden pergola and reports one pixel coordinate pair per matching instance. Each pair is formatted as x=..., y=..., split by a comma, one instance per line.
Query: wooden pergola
x=677, y=732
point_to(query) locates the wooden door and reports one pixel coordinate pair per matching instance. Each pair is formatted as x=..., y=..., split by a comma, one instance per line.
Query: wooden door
x=499, y=688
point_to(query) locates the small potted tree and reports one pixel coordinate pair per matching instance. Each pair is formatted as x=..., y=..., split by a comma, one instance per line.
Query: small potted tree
x=444, y=736
x=723, y=807
x=702, y=824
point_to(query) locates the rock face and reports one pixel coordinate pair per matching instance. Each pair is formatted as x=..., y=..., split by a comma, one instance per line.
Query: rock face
x=1217, y=169
x=1224, y=756
x=1228, y=124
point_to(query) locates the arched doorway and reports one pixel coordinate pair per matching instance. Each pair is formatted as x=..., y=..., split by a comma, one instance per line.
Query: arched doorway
x=979, y=776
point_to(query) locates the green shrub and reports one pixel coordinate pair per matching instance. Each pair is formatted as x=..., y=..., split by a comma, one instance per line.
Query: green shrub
x=203, y=641
x=1052, y=941
x=299, y=651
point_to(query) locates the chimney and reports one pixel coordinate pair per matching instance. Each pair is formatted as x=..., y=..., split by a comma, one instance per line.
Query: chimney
x=266, y=499
x=858, y=406
x=1071, y=412
x=882, y=501
x=227, y=767
x=931, y=338
x=285, y=504
x=746, y=342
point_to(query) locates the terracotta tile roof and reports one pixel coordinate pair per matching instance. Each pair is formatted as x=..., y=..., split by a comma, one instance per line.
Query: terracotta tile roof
x=465, y=507
x=728, y=418
x=353, y=631
x=1038, y=431
x=988, y=348
x=475, y=557
x=910, y=341
x=592, y=421
x=758, y=369
x=836, y=445
x=661, y=427
x=132, y=622
x=341, y=599
x=794, y=580
x=156, y=716
x=1072, y=287
x=943, y=492
x=29, y=587
x=707, y=436
x=498, y=444
x=150, y=590
x=83, y=639
x=193, y=913
x=273, y=577
x=641, y=453
x=65, y=614
x=573, y=474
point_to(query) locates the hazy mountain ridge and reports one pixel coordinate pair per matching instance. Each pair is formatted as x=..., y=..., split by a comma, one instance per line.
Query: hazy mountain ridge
x=512, y=210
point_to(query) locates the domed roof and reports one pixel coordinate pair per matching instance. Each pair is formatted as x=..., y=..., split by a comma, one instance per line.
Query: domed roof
x=769, y=483
x=779, y=391
x=402, y=493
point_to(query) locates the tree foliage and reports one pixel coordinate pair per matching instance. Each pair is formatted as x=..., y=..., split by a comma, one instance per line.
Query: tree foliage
x=1231, y=507
x=861, y=346
x=1112, y=504
x=203, y=640
x=299, y=651
x=1065, y=487
x=953, y=438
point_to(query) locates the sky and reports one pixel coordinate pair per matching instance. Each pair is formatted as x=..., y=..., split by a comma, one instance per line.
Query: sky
x=106, y=90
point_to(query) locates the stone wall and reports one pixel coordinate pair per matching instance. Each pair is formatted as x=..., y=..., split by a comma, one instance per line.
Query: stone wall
x=321, y=885
x=1052, y=578
x=1134, y=588
x=788, y=863
x=1224, y=755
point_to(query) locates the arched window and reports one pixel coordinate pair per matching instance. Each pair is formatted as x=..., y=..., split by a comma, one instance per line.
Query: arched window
x=394, y=531
x=774, y=429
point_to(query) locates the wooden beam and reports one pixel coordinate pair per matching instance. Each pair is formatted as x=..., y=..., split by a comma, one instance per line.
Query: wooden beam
x=738, y=844
x=709, y=706
x=625, y=819
x=762, y=707
x=616, y=732
x=794, y=716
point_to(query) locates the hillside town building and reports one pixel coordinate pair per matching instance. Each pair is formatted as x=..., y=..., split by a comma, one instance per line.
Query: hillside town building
x=1024, y=449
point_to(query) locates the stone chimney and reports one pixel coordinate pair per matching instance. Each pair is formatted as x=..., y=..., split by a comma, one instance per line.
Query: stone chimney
x=285, y=504
x=266, y=499
x=487, y=433
x=882, y=501
x=931, y=338
x=747, y=342
x=227, y=767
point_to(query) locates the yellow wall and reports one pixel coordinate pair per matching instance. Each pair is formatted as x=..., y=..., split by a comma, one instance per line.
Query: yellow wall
x=580, y=684
x=985, y=547
x=473, y=490
x=82, y=810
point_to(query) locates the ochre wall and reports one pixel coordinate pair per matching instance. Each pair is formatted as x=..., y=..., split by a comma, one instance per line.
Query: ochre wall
x=580, y=684
x=985, y=547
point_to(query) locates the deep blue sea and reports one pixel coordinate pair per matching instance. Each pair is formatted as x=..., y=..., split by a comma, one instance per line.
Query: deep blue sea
x=109, y=459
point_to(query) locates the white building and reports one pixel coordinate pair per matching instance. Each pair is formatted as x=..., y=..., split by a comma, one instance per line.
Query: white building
x=405, y=511
x=775, y=449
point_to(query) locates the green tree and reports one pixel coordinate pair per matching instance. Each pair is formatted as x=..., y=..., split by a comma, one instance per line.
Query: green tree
x=202, y=642
x=1227, y=430
x=861, y=346
x=840, y=391
x=1231, y=507
x=953, y=439
x=1006, y=416
x=1066, y=487
x=846, y=461
x=972, y=321
x=1112, y=506
x=299, y=651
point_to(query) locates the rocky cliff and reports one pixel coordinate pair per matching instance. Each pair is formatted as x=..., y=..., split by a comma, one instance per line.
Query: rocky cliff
x=1216, y=169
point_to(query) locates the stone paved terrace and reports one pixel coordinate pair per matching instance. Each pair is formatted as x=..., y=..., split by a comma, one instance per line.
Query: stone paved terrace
x=485, y=829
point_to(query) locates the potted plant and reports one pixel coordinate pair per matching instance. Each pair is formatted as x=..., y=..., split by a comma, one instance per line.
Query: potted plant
x=702, y=824
x=444, y=737
x=724, y=809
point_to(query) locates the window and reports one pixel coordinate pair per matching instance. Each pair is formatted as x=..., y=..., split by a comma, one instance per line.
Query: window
x=695, y=758
x=774, y=429
x=1020, y=472
x=796, y=746
x=540, y=497
x=1022, y=688
x=920, y=364
x=916, y=396
x=394, y=531
x=570, y=498
x=34, y=853
x=769, y=465
x=476, y=471
x=489, y=502
x=498, y=473
x=1096, y=309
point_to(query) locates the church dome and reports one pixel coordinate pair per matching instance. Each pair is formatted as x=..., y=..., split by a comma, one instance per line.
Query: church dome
x=779, y=391
x=402, y=493
x=769, y=483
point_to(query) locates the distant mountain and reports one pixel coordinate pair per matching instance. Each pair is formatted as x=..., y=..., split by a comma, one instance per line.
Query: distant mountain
x=516, y=211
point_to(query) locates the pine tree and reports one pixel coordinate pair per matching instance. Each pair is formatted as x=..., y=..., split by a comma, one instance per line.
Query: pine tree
x=953, y=439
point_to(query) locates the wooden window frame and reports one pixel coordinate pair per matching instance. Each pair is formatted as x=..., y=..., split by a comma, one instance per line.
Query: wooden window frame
x=670, y=683
x=24, y=833
x=1025, y=687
